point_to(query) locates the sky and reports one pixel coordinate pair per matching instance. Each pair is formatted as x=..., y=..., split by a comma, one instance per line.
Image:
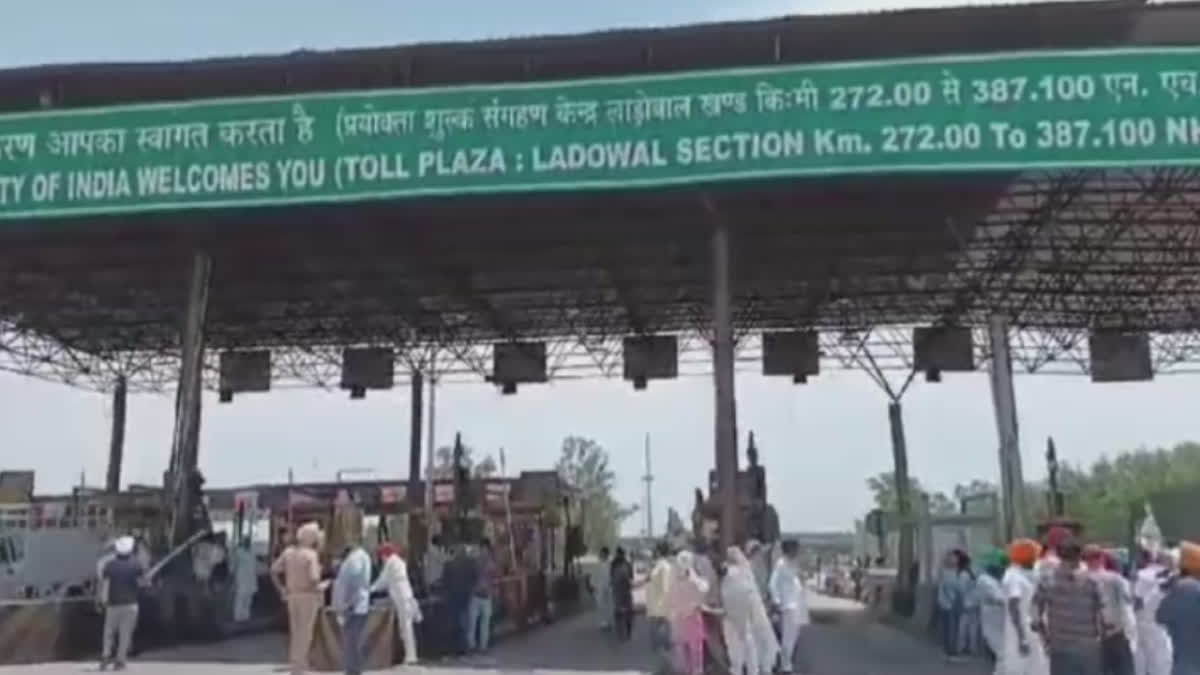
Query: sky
x=819, y=441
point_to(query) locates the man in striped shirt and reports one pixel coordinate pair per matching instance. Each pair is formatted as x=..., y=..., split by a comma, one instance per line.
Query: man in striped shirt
x=1068, y=611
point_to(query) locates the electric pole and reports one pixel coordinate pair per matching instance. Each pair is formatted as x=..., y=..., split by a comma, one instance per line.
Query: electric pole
x=648, y=479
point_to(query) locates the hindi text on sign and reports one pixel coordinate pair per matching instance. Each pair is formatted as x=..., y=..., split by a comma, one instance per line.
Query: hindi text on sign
x=1134, y=107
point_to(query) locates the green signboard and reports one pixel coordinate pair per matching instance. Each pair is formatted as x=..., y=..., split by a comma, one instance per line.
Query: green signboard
x=967, y=113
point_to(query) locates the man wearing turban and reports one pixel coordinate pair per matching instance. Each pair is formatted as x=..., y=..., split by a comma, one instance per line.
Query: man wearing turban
x=1049, y=561
x=993, y=606
x=1069, y=608
x=297, y=575
x=1179, y=612
x=393, y=578
x=1023, y=652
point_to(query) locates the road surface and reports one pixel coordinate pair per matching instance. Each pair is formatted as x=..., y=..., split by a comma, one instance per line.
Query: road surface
x=841, y=642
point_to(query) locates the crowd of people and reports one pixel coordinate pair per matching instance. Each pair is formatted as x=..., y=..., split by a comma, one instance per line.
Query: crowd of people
x=1054, y=607
x=466, y=578
x=757, y=605
x=1058, y=607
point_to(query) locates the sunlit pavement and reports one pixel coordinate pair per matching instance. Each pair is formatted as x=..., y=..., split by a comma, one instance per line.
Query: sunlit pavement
x=852, y=644
x=842, y=642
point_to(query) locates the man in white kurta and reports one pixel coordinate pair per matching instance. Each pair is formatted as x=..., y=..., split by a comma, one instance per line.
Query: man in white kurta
x=245, y=580
x=394, y=579
x=1023, y=652
x=760, y=562
x=790, y=599
x=600, y=578
x=1154, y=653
x=993, y=605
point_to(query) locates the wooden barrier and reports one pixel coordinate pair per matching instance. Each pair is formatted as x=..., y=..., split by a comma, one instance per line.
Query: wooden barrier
x=326, y=652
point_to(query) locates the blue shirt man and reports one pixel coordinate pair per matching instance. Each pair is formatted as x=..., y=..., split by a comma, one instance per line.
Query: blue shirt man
x=352, y=602
x=1179, y=613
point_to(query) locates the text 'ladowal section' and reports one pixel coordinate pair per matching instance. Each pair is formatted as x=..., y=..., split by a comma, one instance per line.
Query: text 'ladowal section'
x=1033, y=110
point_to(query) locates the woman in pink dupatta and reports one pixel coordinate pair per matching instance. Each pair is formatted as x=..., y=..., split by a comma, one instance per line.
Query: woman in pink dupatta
x=684, y=597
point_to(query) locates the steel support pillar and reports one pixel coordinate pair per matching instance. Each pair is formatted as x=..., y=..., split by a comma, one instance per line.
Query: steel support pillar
x=904, y=500
x=414, y=437
x=185, y=440
x=116, y=443
x=726, y=403
x=1004, y=402
x=430, y=449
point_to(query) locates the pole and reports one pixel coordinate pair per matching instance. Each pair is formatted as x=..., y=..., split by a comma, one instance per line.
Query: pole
x=185, y=439
x=904, y=513
x=1004, y=403
x=116, y=445
x=1057, y=504
x=291, y=511
x=508, y=521
x=649, y=479
x=414, y=436
x=430, y=445
x=726, y=404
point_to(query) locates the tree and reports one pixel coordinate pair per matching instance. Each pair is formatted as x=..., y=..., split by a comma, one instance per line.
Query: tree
x=883, y=489
x=1104, y=495
x=675, y=526
x=485, y=468
x=584, y=466
x=443, y=463
x=940, y=504
x=975, y=488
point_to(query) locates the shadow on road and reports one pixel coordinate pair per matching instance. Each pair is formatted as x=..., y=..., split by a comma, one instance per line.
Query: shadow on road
x=264, y=649
x=575, y=644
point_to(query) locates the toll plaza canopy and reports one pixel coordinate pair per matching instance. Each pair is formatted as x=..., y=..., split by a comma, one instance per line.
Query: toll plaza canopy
x=882, y=170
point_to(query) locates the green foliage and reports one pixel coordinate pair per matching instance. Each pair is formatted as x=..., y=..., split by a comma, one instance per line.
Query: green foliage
x=485, y=468
x=1102, y=496
x=443, y=463
x=883, y=489
x=675, y=526
x=974, y=489
x=584, y=466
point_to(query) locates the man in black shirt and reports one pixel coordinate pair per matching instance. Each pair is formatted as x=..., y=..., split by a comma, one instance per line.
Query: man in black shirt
x=123, y=575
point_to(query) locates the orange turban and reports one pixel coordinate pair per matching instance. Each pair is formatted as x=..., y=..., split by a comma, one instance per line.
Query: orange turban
x=1024, y=552
x=1189, y=557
